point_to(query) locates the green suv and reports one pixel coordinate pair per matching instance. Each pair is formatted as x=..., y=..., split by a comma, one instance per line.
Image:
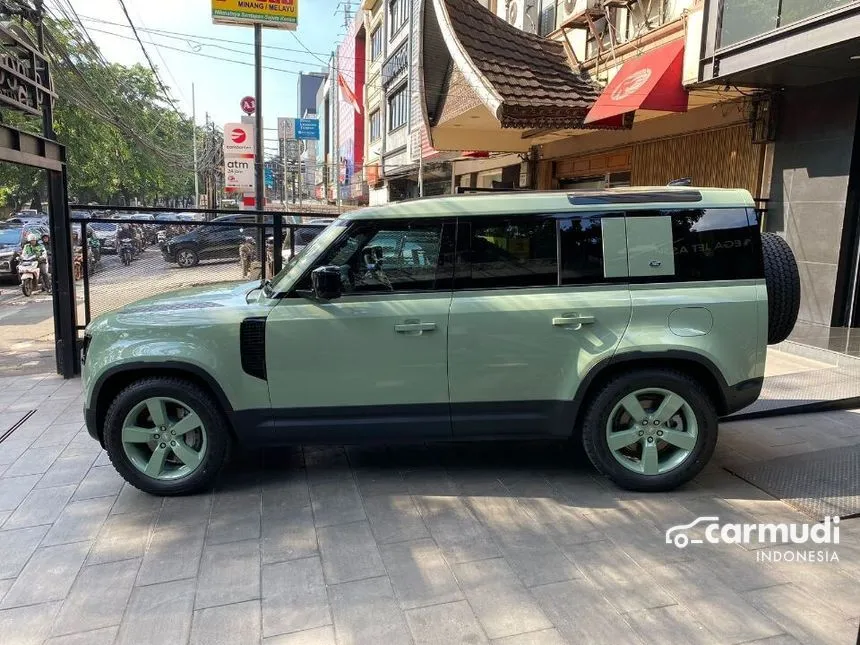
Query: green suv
x=628, y=320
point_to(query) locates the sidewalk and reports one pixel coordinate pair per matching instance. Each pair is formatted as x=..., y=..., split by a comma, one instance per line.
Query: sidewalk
x=476, y=543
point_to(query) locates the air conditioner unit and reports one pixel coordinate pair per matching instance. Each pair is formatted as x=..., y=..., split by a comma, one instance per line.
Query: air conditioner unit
x=515, y=13
x=574, y=11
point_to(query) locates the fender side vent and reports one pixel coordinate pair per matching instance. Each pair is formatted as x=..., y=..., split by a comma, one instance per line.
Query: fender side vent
x=252, y=346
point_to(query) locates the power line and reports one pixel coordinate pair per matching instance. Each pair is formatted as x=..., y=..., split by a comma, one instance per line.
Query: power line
x=146, y=54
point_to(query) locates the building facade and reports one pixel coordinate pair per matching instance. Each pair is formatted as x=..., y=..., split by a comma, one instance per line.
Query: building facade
x=806, y=56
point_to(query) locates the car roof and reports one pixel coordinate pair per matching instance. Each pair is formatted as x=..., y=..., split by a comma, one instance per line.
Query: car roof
x=559, y=201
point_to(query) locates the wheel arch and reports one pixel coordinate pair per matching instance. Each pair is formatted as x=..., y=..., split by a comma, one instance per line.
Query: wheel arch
x=115, y=379
x=699, y=367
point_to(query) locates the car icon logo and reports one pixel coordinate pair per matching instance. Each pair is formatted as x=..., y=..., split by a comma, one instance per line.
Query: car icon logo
x=677, y=534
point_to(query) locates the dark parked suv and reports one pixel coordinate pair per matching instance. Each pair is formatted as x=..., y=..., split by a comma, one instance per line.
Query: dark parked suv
x=214, y=241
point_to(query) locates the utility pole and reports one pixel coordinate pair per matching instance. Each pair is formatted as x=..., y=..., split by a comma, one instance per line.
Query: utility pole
x=260, y=192
x=194, y=141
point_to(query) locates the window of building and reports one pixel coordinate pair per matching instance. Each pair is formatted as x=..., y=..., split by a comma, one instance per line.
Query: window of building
x=642, y=17
x=392, y=255
x=375, y=125
x=398, y=108
x=546, y=21
x=605, y=28
x=376, y=43
x=581, y=249
x=517, y=252
x=740, y=20
x=397, y=16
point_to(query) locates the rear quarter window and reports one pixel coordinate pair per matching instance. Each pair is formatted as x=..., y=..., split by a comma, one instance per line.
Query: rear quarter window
x=713, y=243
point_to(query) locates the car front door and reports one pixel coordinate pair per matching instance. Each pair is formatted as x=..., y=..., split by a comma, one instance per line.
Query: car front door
x=373, y=362
x=538, y=302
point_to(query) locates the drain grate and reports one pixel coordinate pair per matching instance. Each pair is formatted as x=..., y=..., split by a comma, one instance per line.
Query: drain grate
x=16, y=425
x=825, y=482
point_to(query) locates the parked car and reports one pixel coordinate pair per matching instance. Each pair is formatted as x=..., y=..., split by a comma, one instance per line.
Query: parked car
x=106, y=232
x=208, y=241
x=625, y=320
x=12, y=238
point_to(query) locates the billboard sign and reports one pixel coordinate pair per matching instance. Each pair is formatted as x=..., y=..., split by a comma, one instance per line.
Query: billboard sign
x=238, y=139
x=238, y=157
x=307, y=129
x=286, y=128
x=276, y=14
x=292, y=150
x=238, y=173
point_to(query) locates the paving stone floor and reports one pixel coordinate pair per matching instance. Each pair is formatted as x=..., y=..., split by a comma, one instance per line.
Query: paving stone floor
x=510, y=544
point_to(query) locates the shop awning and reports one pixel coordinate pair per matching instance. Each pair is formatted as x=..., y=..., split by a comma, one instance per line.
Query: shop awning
x=650, y=82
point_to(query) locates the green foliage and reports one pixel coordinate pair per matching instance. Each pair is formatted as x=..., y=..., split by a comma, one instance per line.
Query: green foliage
x=123, y=140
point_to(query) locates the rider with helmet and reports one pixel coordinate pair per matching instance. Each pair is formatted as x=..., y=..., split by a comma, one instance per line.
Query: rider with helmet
x=34, y=250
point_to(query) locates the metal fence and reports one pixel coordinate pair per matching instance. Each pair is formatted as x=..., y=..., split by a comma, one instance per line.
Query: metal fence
x=122, y=255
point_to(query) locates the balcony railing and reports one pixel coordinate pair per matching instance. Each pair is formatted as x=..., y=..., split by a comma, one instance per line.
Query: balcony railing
x=744, y=19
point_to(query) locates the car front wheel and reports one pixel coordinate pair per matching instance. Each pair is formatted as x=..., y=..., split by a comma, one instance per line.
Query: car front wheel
x=187, y=258
x=166, y=436
x=650, y=430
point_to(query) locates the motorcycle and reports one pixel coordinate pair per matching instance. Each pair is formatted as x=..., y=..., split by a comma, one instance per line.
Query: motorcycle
x=161, y=238
x=32, y=278
x=126, y=250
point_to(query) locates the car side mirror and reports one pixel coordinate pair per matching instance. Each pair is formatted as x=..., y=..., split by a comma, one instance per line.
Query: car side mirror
x=327, y=282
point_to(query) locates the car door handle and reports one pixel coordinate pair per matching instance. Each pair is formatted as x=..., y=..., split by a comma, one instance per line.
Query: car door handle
x=416, y=327
x=568, y=321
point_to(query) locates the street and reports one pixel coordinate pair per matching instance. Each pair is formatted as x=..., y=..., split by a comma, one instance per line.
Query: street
x=26, y=324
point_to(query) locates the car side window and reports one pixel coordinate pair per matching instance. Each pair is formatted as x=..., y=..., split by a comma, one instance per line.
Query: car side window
x=713, y=243
x=581, y=244
x=392, y=255
x=512, y=252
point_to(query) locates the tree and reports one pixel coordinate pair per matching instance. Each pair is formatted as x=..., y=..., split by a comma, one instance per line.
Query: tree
x=123, y=139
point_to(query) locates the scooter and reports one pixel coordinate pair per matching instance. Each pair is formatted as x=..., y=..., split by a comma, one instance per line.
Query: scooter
x=30, y=275
x=126, y=250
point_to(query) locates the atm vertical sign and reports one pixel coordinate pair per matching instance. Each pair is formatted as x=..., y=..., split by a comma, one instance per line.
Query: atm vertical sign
x=278, y=14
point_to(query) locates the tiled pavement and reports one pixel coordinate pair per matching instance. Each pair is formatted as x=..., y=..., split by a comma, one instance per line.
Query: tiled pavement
x=509, y=544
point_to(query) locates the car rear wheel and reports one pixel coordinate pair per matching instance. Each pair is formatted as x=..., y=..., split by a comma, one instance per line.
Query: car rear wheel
x=187, y=258
x=166, y=436
x=650, y=430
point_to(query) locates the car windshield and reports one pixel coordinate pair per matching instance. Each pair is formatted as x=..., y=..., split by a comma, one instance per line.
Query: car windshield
x=10, y=236
x=103, y=226
x=300, y=263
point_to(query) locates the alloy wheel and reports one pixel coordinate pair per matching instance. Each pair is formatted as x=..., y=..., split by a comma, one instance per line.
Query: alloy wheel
x=163, y=438
x=185, y=258
x=652, y=431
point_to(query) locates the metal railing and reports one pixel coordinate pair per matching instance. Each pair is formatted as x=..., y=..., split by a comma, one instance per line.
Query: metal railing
x=168, y=250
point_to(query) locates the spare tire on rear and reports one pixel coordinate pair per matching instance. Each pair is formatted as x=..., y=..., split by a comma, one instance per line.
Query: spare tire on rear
x=783, y=287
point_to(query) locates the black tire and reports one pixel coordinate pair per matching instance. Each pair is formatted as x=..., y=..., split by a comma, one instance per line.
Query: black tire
x=196, y=399
x=187, y=257
x=597, y=416
x=27, y=287
x=783, y=287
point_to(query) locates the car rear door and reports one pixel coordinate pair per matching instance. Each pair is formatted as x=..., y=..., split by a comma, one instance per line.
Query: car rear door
x=538, y=302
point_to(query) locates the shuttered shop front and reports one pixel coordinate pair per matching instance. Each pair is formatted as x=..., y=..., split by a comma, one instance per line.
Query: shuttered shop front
x=724, y=158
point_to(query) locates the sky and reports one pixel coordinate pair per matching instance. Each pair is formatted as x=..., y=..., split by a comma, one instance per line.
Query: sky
x=218, y=85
